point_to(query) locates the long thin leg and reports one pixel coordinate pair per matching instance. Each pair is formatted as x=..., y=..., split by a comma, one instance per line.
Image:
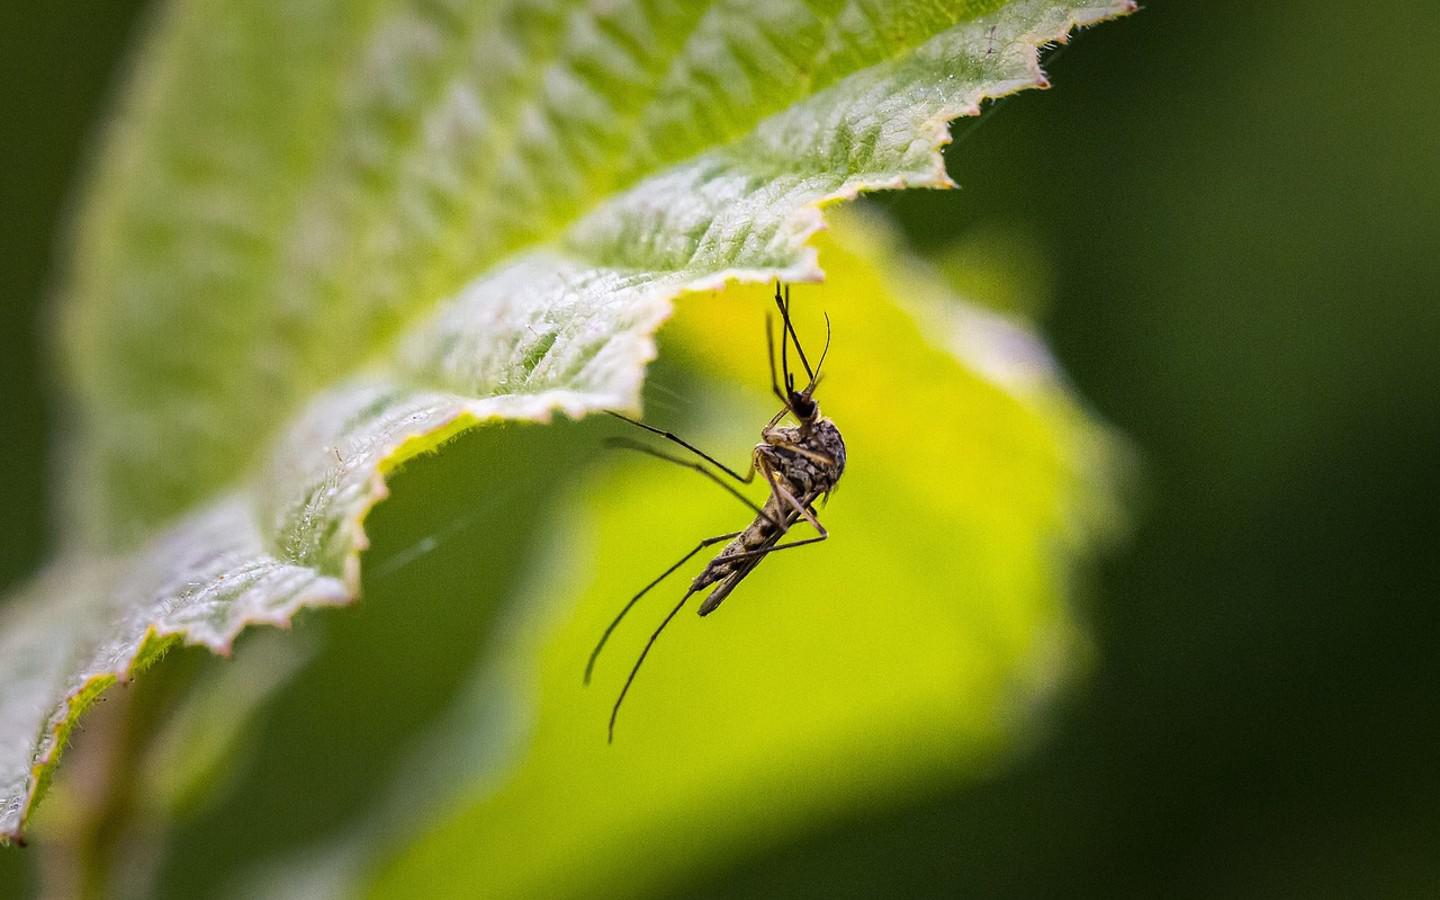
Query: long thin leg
x=785, y=498
x=812, y=455
x=594, y=654
x=615, y=711
x=790, y=327
x=743, y=479
x=770, y=355
x=627, y=444
x=803, y=509
x=766, y=551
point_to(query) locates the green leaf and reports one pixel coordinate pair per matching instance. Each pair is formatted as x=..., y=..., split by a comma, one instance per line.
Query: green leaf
x=323, y=239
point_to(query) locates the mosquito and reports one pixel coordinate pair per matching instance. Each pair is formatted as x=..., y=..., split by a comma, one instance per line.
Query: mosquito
x=800, y=463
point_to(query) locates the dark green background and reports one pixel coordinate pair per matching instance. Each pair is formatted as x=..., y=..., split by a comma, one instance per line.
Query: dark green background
x=1242, y=206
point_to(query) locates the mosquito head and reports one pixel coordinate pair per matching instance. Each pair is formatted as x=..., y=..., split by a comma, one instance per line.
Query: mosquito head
x=804, y=408
x=800, y=402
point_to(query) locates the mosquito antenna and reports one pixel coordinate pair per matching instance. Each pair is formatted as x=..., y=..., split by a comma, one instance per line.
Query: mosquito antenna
x=815, y=379
x=790, y=328
x=643, y=653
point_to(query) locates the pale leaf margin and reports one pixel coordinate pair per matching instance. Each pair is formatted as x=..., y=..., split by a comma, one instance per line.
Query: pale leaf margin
x=548, y=331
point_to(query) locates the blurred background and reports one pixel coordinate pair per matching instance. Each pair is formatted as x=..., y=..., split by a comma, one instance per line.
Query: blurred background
x=1235, y=212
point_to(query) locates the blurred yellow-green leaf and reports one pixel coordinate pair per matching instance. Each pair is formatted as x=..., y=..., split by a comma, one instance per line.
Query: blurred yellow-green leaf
x=904, y=652
x=907, y=654
x=902, y=655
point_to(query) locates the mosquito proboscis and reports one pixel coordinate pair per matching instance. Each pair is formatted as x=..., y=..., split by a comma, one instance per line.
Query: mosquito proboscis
x=800, y=464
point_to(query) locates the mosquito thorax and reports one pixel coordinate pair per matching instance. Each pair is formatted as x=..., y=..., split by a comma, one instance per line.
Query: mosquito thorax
x=809, y=456
x=824, y=438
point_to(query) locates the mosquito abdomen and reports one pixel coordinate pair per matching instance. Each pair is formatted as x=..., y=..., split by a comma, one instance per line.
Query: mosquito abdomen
x=757, y=535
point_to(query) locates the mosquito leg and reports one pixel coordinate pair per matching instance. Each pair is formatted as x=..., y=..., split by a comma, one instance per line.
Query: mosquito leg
x=770, y=355
x=788, y=499
x=783, y=497
x=790, y=328
x=594, y=654
x=748, y=477
x=627, y=444
x=812, y=455
x=615, y=711
x=766, y=551
x=803, y=509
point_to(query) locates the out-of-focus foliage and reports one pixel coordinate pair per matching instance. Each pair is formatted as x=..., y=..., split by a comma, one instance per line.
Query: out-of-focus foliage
x=897, y=658
x=323, y=239
x=900, y=655
x=1239, y=204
